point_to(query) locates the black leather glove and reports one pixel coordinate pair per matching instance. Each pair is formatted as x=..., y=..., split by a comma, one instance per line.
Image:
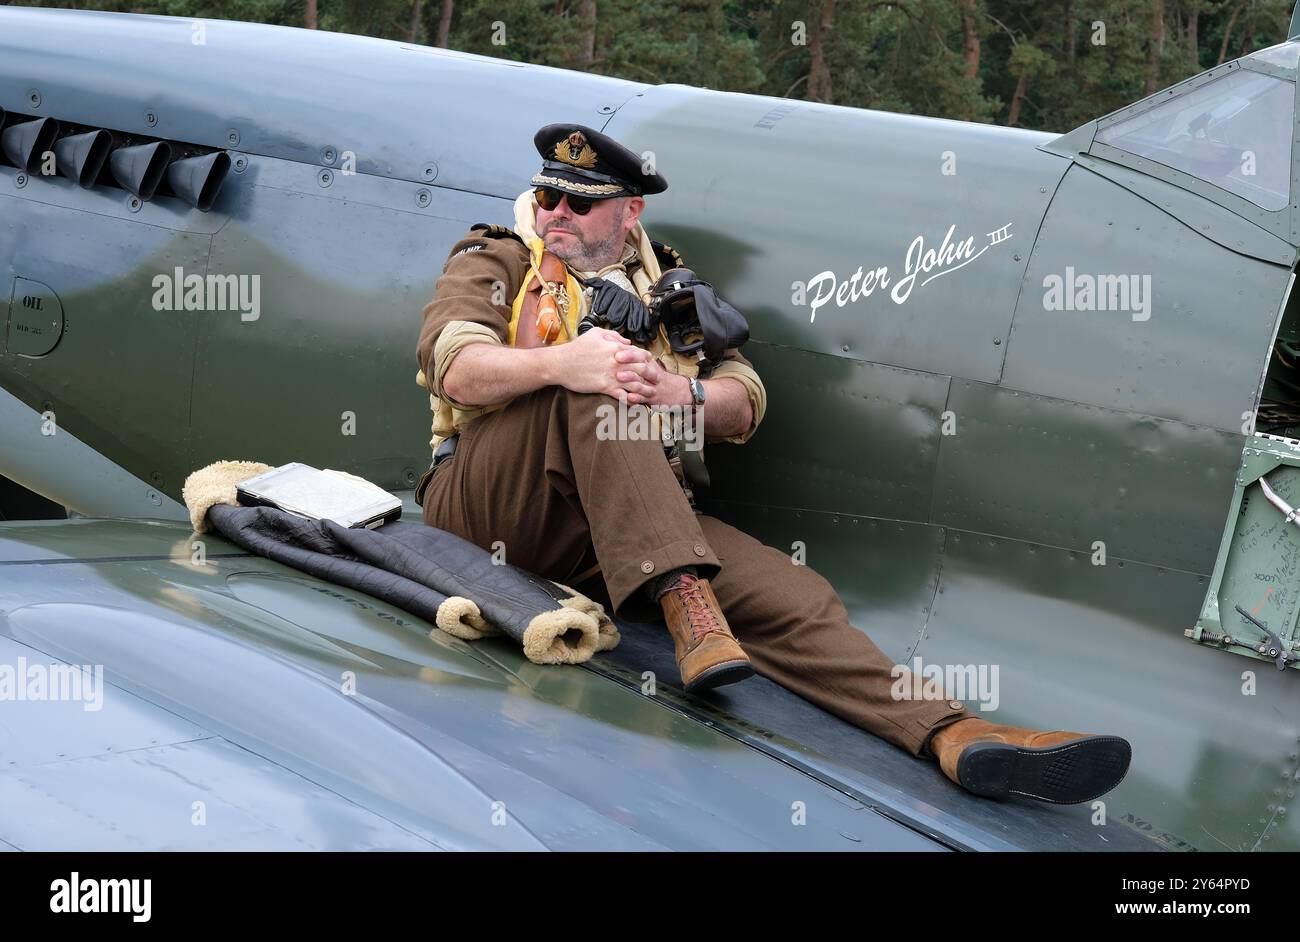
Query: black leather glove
x=620, y=310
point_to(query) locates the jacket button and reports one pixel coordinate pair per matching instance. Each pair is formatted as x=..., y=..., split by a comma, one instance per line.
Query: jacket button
x=955, y=704
x=647, y=566
x=699, y=550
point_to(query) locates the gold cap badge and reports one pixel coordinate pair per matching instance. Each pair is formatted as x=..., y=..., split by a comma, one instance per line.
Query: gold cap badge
x=576, y=151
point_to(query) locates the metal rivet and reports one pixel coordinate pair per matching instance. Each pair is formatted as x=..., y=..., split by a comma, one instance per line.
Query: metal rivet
x=20, y=181
x=150, y=119
x=241, y=163
x=328, y=156
x=33, y=98
x=423, y=198
x=232, y=137
x=325, y=178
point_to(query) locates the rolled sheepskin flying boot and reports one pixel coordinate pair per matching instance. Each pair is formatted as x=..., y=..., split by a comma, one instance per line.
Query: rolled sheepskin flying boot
x=707, y=652
x=1060, y=767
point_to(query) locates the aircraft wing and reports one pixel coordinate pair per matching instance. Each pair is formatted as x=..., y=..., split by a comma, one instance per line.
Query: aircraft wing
x=246, y=705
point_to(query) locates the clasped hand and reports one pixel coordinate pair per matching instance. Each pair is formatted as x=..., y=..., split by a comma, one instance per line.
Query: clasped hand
x=604, y=361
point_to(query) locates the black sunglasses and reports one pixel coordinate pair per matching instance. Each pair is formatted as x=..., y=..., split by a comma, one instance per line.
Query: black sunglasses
x=548, y=198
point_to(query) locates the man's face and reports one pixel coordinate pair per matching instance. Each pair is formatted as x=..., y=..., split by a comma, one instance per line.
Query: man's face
x=592, y=241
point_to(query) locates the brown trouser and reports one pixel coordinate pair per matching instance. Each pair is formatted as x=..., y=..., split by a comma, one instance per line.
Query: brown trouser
x=534, y=479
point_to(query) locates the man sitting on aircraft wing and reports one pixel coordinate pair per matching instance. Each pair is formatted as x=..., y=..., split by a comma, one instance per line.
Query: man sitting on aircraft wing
x=534, y=337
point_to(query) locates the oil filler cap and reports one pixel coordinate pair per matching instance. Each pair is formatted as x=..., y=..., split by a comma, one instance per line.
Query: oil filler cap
x=35, y=319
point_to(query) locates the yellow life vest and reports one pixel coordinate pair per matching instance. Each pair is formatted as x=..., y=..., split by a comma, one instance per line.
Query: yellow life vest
x=573, y=288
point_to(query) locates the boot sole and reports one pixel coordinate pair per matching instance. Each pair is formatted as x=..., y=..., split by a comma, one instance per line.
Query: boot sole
x=1067, y=774
x=720, y=675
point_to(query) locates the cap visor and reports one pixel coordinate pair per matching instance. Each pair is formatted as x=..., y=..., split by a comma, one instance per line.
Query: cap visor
x=576, y=185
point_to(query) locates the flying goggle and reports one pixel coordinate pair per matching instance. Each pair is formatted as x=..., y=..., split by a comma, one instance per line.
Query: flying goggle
x=694, y=317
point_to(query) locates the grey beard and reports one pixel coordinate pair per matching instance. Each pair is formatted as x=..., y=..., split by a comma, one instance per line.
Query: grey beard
x=595, y=257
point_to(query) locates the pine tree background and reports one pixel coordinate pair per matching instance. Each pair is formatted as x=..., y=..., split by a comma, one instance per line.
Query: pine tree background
x=1043, y=64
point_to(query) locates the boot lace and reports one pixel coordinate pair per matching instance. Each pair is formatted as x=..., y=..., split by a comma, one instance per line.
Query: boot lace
x=699, y=611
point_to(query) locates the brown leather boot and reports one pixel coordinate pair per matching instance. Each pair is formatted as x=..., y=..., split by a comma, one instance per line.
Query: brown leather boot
x=707, y=653
x=1061, y=767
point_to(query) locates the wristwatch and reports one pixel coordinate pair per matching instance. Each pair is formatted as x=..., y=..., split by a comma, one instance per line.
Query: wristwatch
x=697, y=391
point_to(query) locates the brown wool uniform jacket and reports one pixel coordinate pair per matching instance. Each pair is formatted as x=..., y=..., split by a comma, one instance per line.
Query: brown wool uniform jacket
x=472, y=304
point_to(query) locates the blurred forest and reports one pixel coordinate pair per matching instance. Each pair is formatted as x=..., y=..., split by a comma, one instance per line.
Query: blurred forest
x=1044, y=64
